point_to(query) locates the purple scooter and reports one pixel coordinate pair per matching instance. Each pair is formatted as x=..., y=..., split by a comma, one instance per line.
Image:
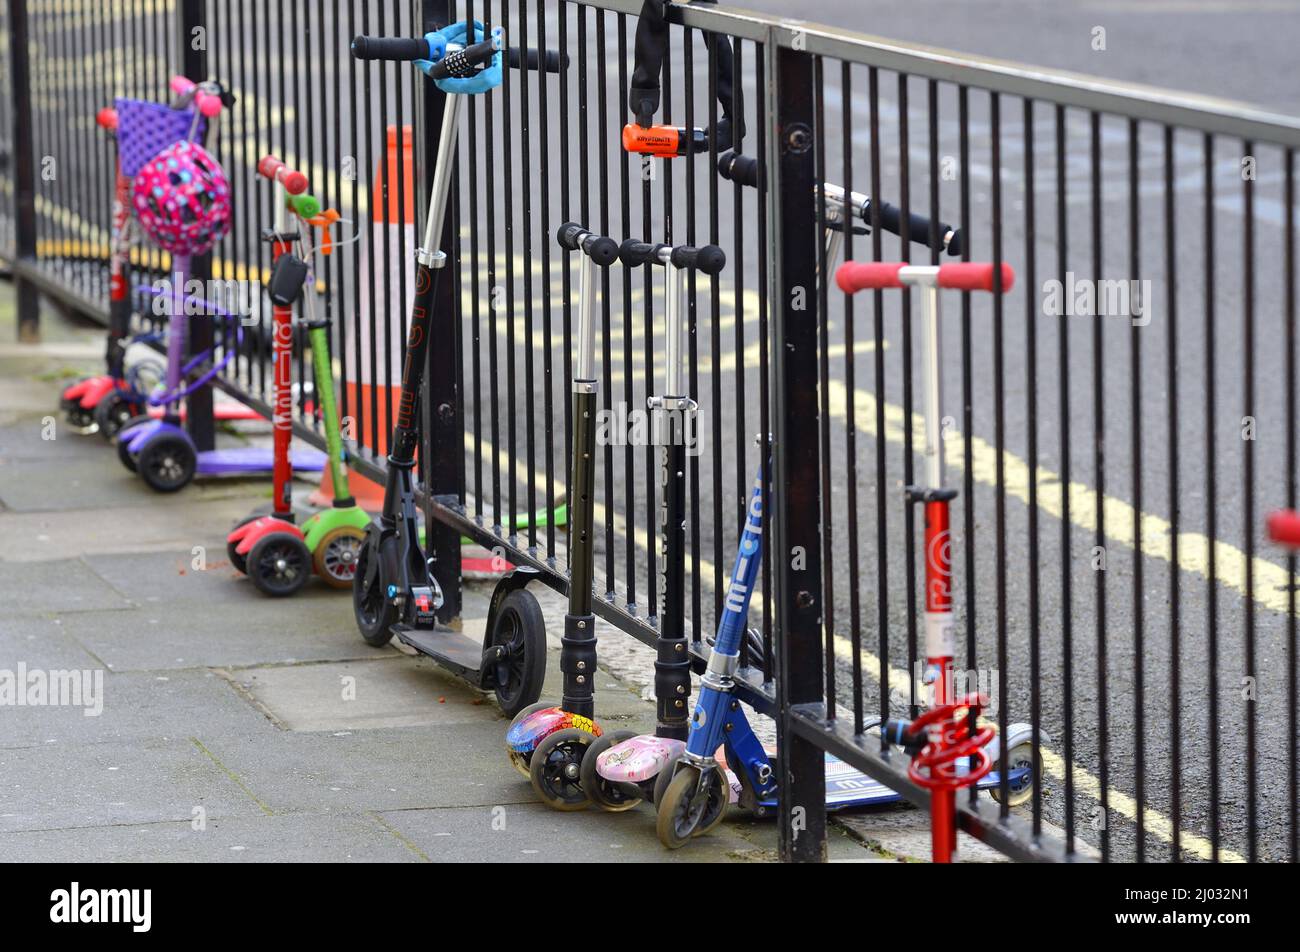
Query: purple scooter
x=161, y=451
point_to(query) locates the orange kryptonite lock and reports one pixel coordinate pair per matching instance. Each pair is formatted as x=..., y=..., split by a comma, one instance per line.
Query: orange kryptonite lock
x=664, y=142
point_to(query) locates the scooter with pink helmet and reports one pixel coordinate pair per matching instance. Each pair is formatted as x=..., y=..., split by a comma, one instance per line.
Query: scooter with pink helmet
x=181, y=199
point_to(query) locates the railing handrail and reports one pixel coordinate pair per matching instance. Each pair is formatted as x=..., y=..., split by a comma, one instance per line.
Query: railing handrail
x=1059, y=87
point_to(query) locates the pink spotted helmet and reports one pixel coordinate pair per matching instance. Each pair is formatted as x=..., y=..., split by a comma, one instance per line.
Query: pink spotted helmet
x=182, y=199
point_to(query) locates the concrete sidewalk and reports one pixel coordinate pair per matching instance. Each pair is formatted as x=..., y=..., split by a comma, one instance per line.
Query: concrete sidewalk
x=233, y=726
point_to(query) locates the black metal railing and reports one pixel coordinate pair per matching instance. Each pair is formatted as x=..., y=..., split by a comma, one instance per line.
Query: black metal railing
x=1114, y=445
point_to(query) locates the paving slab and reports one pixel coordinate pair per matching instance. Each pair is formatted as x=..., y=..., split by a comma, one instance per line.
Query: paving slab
x=292, y=838
x=41, y=642
x=63, y=585
x=383, y=769
x=531, y=832
x=69, y=786
x=138, y=707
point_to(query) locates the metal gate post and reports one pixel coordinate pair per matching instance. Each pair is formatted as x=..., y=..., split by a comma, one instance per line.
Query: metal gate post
x=796, y=548
x=194, y=65
x=444, y=410
x=28, y=300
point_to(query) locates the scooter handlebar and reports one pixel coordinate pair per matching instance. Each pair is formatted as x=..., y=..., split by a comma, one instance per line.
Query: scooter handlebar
x=573, y=237
x=855, y=276
x=401, y=49
x=741, y=169
x=294, y=182
x=634, y=253
x=208, y=104
x=918, y=226
x=1284, y=528
x=709, y=259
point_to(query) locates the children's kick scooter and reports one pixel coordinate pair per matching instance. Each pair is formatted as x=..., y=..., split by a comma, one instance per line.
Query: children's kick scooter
x=394, y=591
x=270, y=549
x=620, y=769
x=141, y=129
x=947, y=755
x=548, y=743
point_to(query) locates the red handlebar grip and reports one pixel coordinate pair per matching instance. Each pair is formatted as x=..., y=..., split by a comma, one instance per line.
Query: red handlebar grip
x=295, y=183
x=107, y=118
x=1284, y=527
x=855, y=276
x=969, y=276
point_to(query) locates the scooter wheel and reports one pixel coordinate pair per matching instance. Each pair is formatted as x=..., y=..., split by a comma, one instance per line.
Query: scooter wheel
x=240, y=562
x=681, y=816
x=608, y=795
x=125, y=456
x=519, y=760
x=113, y=412
x=556, y=769
x=374, y=612
x=80, y=420
x=279, y=564
x=1022, y=755
x=335, y=558
x=521, y=628
x=167, y=463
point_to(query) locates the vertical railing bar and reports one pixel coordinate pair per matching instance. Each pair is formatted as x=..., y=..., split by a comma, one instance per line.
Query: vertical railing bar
x=1099, y=478
x=629, y=451
x=606, y=328
x=548, y=404
x=476, y=313
x=565, y=215
x=1248, y=507
x=1063, y=379
x=1211, y=519
x=878, y=355
x=1293, y=712
x=737, y=271
x=999, y=440
x=512, y=425
x=525, y=146
x=494, y=381
x=905, y=254
x=1135, y=394
x=1175, y=593
x=823, y=379
x=764, y=355
x=1031, y=423
x=850, y=410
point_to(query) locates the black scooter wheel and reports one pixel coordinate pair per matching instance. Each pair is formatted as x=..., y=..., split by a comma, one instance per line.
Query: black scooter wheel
x=681, y=816
x=608, y=795
x=123, y=454
x=279, y=564
x=113, y=412
x=374, y=612
x=521, y=628
x=167, y=463
x=79, y=419
x=240, y=562
x=556, y=769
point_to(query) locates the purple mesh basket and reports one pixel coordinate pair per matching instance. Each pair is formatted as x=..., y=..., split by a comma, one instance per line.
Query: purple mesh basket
x=146, y=128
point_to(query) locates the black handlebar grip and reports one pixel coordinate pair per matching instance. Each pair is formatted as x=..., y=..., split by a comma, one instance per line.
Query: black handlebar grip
x=709, y=259
x=392, y=48
x=633, y=253
x=603, y=251
x=569, y=234
x=896, y=732
x=550, y=60
x=918, y=226
x=742, y=169
x=463, y=62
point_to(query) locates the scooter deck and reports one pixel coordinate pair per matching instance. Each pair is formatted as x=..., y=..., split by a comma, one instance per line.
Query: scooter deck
x=257, y=459
x=848, y=787
x=457, y=652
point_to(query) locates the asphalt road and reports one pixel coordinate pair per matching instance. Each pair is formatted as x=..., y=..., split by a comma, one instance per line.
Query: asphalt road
x=304, y=114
